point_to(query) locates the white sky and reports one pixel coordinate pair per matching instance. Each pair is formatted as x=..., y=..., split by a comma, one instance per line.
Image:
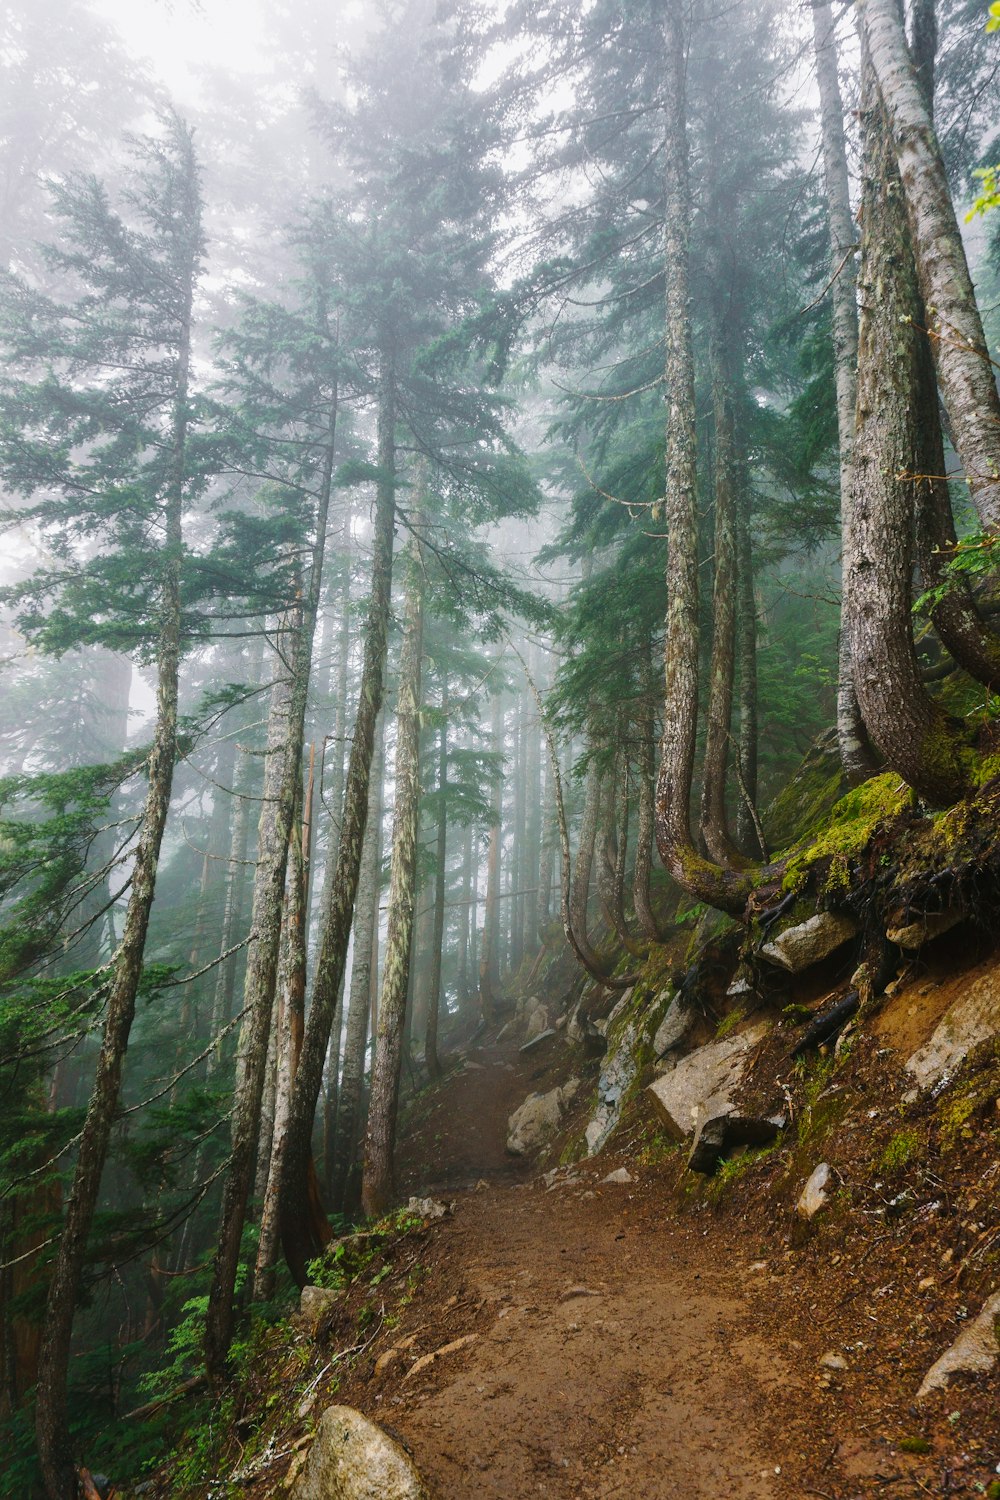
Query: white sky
x=177, y=37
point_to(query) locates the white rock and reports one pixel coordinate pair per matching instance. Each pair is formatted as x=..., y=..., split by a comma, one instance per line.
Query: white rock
x=538, y=1021
x=621, y=1175
x=353, y=1459
x=427, y=1208
x=814, y=1195
x=538, y=1119
x=974, y=1018
x=703, y=1084
x=833, y=1361
x=974, y=1352
x=809, y=942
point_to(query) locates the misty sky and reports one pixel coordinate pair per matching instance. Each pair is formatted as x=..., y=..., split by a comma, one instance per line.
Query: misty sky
x=178, y=36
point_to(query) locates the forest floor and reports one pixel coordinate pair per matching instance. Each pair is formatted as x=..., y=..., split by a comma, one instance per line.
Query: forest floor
x=613, y=1339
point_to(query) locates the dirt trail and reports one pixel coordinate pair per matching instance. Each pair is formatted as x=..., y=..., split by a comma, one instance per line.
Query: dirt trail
x=610, y=1356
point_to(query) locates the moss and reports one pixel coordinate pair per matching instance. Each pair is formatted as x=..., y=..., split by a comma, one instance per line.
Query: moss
x=914, y=1445
x=805, y=801
x=729, y=1023
x=849, y=829
x=733, y=1168
x=985, y=769
x=900, y=1150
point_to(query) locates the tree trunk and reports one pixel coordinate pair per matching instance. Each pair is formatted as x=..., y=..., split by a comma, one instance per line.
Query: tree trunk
x=646, y=773
x=434, y=996
x=965, y=373
x=488, y=957
x=363, y=968
x=904, y=723
x=708, y=882
x=380, y=1138
x=304, y=1229
x=274, y=834
x=51, y=1418
x=855, y=751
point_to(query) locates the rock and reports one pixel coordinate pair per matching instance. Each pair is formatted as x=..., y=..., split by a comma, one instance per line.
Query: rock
x=537, y=1022
x=538, y=1119
x=814, y=1195
x=316, y=1301
x=536, y=1041
x=974, y=1018
x=703, y=1084
x=721, y=1136
x=833, y=1361
x=427, y=1208
x=931, y=925
x=582, y=1030
x=974, y=1352
x=353, y=1459
x=621, y=1175
x=807, y=943
x=674, y=1027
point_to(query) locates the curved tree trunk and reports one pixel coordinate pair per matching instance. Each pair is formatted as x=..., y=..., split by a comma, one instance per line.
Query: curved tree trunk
x=906, y=725
x=304, y=1229
x=710, y=882
x=965, y=374
x=856, y=755
x=383, y=1103
x=51, y=1417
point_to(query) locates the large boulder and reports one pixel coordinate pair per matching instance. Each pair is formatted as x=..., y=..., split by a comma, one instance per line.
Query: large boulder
x=353, y=1459
x=538, y=1119
x=815, y=1195
x=703, y=1085
x=974, y=1018
x=809, y=942
x=974, y=1352
x=537, y=1022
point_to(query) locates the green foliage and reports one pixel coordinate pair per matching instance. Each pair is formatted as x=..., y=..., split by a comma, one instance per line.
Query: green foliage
x=900, y=1151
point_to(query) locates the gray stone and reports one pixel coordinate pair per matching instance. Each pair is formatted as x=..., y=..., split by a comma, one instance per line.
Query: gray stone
x=809, y=942
x=916, y=934
x=427, y=1208
x=621, y=1175
x=833, y=1361
x=814, y=1195
x=536, y=1041
x=353, y=1459
x=316, y=1301
x=617, y=1077
x=538, y=1119
x=703, y=1084
x=537, y=1022
x=674, y=1027
x=974, y=1018
x=974, y=1352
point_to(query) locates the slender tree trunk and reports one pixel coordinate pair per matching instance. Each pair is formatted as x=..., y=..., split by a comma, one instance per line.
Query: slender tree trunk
x=906, y=725
x=725, y=601
x=646, y=773
x=51, y=1417
x=855, y=751
x=274, y=834
x=380, y=1138
x=709, y=882
x=304, y=1229
x=363, y=971
x=965, y=373
x=435, y=998
x=488, y=957
x=462, y=980
x=584, y=866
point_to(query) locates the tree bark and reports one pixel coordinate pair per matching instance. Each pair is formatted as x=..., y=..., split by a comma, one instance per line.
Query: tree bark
x=434, y=996
x=304, y=1229
x=584, y=864
x=855, y=751
x=908, y=728
x=274, y=834
x=380, y=1139
x=363, y=968
x=709, y=882
x=646, y=774
x=488, y=957
x=965, y=374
